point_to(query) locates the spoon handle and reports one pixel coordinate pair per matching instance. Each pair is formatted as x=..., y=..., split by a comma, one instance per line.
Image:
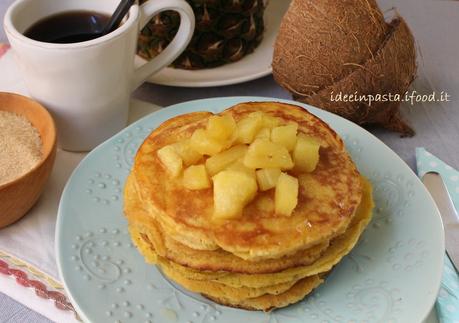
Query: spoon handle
x=118, y=15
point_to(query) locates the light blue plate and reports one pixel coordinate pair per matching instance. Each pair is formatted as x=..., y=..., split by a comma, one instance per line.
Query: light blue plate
x=393, y=275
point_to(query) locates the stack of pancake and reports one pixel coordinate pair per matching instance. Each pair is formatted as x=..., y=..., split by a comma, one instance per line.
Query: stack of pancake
x=261, y=260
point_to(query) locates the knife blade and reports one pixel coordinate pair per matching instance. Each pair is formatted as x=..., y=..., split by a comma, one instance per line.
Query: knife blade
x=437, y=188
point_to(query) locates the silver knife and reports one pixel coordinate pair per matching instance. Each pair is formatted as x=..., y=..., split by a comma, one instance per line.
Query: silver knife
x=435, y=185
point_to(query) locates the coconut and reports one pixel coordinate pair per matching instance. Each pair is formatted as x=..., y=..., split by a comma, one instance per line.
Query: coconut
x=326, y=47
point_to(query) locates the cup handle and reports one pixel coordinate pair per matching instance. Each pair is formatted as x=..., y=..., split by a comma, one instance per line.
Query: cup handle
x=176, y=47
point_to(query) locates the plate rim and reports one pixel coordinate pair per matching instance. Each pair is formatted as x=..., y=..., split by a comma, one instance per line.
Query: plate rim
x=222, y=82
x=240, y=99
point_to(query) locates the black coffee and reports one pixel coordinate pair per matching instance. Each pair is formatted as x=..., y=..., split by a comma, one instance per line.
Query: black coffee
x=68, y=27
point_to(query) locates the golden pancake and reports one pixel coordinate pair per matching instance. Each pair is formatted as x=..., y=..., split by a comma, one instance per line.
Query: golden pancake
x=216, y=289
x=268, y=302
x=264, y=298
x=328, y=196
x=339, y=247
x=207, y=286
x=204, y=260
x=230, y=296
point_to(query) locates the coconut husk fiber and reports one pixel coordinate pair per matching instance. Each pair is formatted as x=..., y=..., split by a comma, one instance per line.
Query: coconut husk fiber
x=326, y=47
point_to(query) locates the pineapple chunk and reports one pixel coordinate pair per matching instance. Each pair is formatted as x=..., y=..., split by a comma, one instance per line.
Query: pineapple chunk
x=265, y=204
x=270, y=121
x=263, y=153
x=306, y=154
x=267, y=178
x=170, y=160
x=248, y=127
x=221, y=128
x=286, y=194
x=188, y=154
x=240, y=167
x=204, y=144
x=195, y=178
x=285, y=135
x=219, y=161
x=233, y=190
x=264, y=133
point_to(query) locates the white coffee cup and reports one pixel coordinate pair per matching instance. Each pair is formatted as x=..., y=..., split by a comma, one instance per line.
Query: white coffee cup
x=87, y=85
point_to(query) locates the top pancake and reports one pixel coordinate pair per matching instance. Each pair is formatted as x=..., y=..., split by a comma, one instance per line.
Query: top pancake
x=328, y=197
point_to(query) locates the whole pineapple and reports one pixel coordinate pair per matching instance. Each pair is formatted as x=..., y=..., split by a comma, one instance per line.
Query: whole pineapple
x=226, y=31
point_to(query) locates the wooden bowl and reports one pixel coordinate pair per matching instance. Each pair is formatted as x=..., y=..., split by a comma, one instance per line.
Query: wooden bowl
x=19, y=195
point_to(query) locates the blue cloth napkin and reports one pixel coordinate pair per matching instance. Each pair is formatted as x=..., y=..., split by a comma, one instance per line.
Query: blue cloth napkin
x=447, y=305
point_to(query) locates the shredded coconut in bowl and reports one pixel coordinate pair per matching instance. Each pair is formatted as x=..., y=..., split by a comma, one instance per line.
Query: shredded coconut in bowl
x=20, y=146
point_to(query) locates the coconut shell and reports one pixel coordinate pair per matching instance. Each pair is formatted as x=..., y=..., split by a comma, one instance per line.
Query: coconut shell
x=391, y=70
x=328, y=47
x=321, y=42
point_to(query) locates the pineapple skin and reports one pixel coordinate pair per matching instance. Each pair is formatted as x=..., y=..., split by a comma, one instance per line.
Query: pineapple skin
x=226, y=31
